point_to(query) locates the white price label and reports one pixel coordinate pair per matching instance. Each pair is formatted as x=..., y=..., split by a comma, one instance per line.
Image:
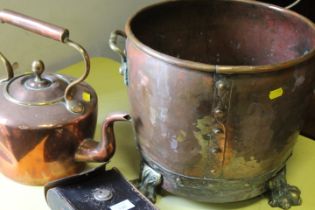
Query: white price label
x=124, y=205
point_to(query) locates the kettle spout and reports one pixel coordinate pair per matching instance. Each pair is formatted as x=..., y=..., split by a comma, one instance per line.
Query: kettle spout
x=91, y=150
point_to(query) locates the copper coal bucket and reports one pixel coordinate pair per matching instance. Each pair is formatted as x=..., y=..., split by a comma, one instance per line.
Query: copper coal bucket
x=218, y=91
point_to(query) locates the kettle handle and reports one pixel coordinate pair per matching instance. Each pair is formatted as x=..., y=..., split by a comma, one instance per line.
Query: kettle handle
x=91, y=150
x=293, y=4
x=56, y=33
x=8, y=67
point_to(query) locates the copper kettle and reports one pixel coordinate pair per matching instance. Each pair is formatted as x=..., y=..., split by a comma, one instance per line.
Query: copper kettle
x=47, y=120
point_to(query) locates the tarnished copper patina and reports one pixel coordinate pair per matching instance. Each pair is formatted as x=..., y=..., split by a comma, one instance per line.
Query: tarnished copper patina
x=306, y=8
x=218, y=91
x=47, y=121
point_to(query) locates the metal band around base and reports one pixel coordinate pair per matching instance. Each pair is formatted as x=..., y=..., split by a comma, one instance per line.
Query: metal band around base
x=212, y=190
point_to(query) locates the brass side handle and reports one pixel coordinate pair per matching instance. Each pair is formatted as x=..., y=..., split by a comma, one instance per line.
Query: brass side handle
x=113, y=39
x=93, y=151
x=293, y=4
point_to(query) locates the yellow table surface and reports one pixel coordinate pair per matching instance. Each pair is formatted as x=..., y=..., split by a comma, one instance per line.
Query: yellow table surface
x=108, y=83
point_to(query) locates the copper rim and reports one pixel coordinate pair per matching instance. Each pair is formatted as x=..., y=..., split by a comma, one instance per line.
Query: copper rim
x=224, y=69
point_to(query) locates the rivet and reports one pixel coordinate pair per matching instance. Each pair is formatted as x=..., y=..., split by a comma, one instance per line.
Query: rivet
x=215, y=150
x=217, y=131
x=220, y=85
x=179, y=182
x=218, y=113
x=102, y=194
x=207, y=136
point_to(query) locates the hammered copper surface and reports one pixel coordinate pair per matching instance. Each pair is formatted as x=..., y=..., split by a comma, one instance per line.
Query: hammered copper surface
x=218, y=91
x=304, y=7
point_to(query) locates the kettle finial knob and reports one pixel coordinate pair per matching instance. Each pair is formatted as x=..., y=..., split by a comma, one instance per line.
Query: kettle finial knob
x=37, y=81
x=38, y=68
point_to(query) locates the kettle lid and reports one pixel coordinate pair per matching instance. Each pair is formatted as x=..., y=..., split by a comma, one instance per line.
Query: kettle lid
x=36, y=89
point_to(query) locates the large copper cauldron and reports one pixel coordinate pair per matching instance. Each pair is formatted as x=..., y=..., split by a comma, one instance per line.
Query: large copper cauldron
x=218, y=91
x=47, y=121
